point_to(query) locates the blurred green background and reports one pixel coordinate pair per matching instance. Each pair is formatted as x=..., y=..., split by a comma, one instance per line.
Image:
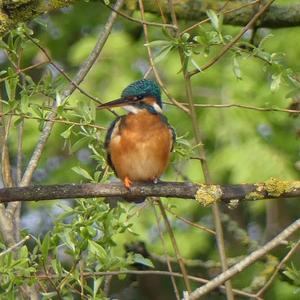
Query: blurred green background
x=243, y=146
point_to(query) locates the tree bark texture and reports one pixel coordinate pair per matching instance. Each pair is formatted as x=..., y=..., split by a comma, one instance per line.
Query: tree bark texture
x=14, y=11
x=204, y=194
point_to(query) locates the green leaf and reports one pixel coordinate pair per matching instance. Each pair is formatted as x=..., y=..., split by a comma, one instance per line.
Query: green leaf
x=10, y=87
x=138, y=258
x=79, y=144
x=66, y=134
x=96, y=284
x=18, y=121
x=97, y=249
x=66, y=237
x=214, y=19
x=37, y=111
x=58, y=99
x=82, y=172
x=276, y=81
x=264, y=39
x=24, y=102
x=56, y=265
x=48, y=295
x=185, y=37
x=45, y=246
x=23, y=252
x=236, y=68
x=158, y=43
x=162, y=54
x=293, y=93
x=293, y=274
x=3, y=45
x=196, y=65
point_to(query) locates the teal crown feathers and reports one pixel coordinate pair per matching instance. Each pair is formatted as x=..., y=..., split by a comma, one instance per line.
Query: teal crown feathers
x=143, y=87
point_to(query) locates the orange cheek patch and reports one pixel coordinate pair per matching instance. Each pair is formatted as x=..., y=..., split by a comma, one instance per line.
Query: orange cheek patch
x=149, y=100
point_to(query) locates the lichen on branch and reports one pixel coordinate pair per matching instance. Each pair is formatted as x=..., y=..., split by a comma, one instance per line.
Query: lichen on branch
x=277, y=16
x=14, y=12
x=208, y=194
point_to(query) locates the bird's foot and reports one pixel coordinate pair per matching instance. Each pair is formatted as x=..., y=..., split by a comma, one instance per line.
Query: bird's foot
x=155, y=180
x=127, y=182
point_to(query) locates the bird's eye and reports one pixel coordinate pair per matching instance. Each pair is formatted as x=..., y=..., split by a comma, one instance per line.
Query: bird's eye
x=139, y=97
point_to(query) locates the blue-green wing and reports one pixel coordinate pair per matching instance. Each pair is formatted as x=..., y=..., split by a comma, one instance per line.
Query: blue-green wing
x=107, y=140
x=172, y=130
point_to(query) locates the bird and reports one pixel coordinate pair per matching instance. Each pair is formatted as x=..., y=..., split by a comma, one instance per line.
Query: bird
x=139, y=143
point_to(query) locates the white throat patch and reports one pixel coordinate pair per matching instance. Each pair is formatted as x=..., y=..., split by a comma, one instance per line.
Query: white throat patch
x=131, y=109
x=136, y=110
x=157, y=108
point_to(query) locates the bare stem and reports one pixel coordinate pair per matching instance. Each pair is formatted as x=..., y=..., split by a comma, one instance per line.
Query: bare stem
x=182, y=190
x=202, y=156
x=280, y=265
x=15, y=246
x=176, y=292
x=233, y=41
x=175, y=246
x=250, y=259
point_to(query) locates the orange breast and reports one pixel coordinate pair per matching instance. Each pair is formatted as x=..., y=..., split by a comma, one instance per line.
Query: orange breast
x=141, y=147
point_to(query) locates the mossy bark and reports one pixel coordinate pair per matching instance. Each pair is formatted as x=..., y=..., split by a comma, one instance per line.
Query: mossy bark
x=14, y=11
x=192, y=10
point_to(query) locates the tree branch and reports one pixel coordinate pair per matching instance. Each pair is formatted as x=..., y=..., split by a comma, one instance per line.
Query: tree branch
x=13, y=12
x=250, y=259
x=15, y=246
x=253, y=20
x=205, y=194
x=278, y=16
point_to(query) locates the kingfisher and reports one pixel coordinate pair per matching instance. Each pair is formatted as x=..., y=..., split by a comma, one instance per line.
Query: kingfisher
x=139, y=143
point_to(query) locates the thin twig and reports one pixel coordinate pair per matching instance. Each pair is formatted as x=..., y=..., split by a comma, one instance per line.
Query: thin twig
x=65, y=279
x=224, y=13
x=142, y=273
x=278, y=268
x=176, y=292
x=18, y=71
x=233, y=41
x=142, y=22
x=151, y=60
x=5, y=156
x=243, y=106
x=204, y=166
x=15, y=246
x=61, y=71
x=29, y=117
x=196, y=225
x=250, y=259
x=51, y=282
x=20, y=151
x=196, y=263
x=6, y=225
x=175, y=246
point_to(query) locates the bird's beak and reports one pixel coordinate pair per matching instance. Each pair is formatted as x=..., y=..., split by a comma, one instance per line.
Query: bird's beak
x=118, y=102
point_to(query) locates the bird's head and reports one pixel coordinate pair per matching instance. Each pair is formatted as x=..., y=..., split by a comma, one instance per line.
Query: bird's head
x=139, y=95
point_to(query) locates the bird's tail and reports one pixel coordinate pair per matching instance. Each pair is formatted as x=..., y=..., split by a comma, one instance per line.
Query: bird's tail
x=135, y=199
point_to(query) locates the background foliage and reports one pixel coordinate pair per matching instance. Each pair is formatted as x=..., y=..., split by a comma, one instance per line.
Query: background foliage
x=242, y=145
